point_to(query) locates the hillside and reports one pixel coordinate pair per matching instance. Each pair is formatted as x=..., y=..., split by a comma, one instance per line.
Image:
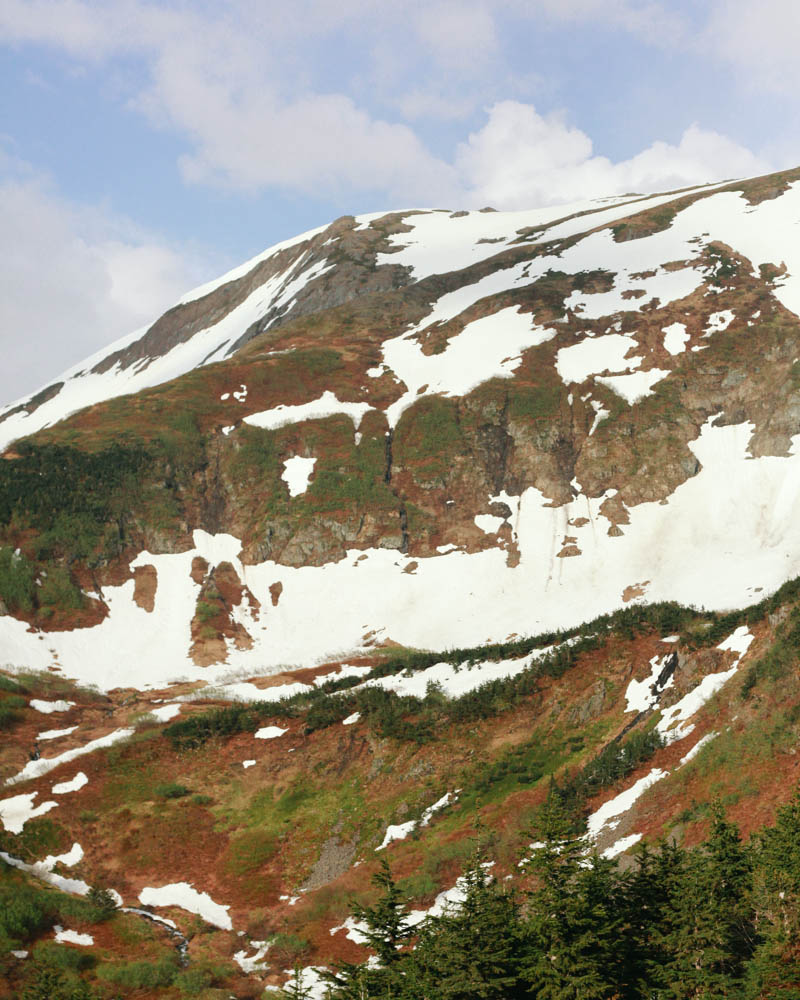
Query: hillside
x=462, y=510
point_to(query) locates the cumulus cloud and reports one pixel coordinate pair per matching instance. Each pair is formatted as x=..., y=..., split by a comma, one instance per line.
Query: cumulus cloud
x=74, y=278
x=521, y=158
x=239, y=81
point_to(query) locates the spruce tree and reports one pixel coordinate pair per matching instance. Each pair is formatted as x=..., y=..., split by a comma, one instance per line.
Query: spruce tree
x=713, y=932
x=573, y=930
x=470, y=952
x=775, y=969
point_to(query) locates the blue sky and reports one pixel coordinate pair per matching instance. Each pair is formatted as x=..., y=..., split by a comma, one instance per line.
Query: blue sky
x=147, y=146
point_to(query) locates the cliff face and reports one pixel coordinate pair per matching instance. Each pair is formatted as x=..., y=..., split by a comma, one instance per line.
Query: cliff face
x=544, y=415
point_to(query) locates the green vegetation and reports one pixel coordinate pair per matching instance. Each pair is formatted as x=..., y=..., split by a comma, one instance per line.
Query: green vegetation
x=70, y=497
x=720, y=920
x=171, y=790
x=17, y=577
x=420, y=719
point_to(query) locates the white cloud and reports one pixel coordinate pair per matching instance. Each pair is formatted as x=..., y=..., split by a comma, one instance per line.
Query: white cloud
x=74, y=278
x=759, y=39
x=457, y=34
x=521, y=158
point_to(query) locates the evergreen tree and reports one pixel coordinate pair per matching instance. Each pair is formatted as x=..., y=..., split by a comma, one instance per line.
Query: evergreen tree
x=573, y=930
x=775, y=969
x=386, y=931
x=651, y=893
x=713, y=932
x=470, y=952
x=294, y=988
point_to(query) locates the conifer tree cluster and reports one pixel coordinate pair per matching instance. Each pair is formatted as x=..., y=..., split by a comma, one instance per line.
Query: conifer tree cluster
x=718, y=920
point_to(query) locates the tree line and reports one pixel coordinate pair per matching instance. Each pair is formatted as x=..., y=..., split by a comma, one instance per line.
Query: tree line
x=718, y=920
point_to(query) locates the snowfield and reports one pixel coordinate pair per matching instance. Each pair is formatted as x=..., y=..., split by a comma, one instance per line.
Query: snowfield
x=726, y=530
x=724, y=533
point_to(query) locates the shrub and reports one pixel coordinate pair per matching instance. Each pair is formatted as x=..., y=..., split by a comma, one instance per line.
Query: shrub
x=16, y=580
x=140, y=975
x=59, y=591
x=102, y=902
x=171, y=790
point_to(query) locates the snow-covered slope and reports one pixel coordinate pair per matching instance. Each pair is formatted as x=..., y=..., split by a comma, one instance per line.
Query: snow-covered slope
x=270, y=286
x=623, y=424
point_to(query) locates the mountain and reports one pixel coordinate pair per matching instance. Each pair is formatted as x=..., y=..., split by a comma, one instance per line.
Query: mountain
x=460, y=502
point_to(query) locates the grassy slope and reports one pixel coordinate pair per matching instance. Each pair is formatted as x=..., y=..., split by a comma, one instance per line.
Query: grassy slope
x=249, y=836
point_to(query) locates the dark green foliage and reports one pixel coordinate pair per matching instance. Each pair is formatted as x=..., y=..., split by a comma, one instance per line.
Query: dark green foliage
x=16, y=580
x=720, y=920
x=171, y=790
x=10, y=710
x=58, y=590
x=471, y=951
x=43, y=983
x=140, y=975
x=67, y=495
x=103, y=904
x=201, y=727
x=62, y=958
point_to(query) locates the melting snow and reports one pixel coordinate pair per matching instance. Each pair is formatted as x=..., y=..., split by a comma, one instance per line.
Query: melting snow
x=75, y=785
x=401, y=830
x=254, y=962
x=72, y=937
x=36, y=768
x=622, y=845
x=185, y=896
x=43, y=870
x=297, y=474
x=270, y=732
x=729, y=524
x=675, y=338
x=606, y=815
x=698, y=747
x=486, y=348
x=641, y=696
x=16, y=811
x=53, y=734
x=165, y=712
x=719, y=321
x=327, y=405
x=595, y=355
x=51, y=706
x=635, y=386
x=351, y=719
x=672, y=724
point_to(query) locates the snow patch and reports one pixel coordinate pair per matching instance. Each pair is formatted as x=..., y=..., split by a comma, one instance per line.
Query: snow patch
x=675, y=338
x=270, y=732
x=595, y=355
x=327, y=405
x=606, y=815
x=74, y=785
x=16, y=811
x=72, y=937
x=54, y=734
x=297, y=473
x=36, y=768
x=47, y=707
x=186, y=897
x=635, y=386
x=703, y=741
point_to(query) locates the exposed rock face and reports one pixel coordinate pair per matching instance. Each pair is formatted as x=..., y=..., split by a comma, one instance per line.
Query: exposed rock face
x=575, y=410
